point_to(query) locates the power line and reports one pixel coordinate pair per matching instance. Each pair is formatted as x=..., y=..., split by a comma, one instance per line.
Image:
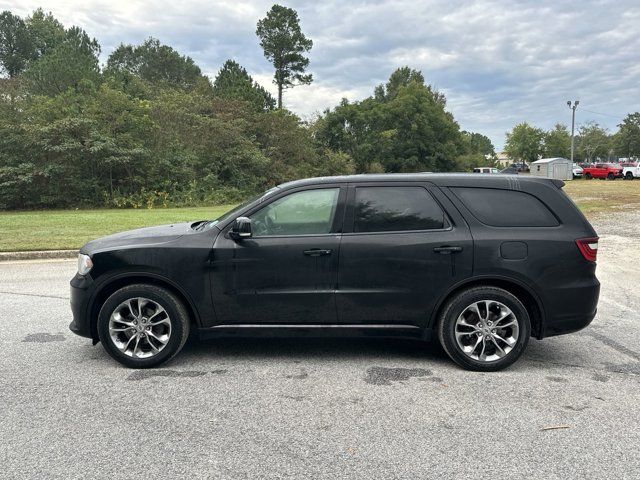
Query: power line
x=600, y=113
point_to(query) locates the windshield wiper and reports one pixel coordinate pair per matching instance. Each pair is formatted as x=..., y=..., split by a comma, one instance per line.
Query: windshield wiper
x=200, y=225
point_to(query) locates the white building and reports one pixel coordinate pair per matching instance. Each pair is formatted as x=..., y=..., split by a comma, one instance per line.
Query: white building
x=558, y=167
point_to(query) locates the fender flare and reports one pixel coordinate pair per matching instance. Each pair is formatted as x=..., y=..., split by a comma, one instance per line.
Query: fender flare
x=487, y=279
x=135, y=276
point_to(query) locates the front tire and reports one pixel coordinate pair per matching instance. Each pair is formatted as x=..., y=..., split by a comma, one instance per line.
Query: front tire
x=484, y=329
x=143, y=325
x=611, y=176
x=628, y=176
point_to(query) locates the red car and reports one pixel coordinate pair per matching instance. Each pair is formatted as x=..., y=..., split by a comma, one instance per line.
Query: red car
x=602, y=170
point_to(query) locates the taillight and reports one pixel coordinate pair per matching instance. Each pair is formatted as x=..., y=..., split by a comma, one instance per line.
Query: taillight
x=588, y=248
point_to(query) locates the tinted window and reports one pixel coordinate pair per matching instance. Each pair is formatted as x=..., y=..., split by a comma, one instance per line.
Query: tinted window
x=506, y=208
x=302, y=213
x=388, y=209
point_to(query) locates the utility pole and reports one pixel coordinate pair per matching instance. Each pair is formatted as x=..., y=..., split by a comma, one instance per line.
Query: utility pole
x=573, y=121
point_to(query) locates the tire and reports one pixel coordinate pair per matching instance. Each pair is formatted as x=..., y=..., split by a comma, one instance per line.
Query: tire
x=459, y=304
x=587, y=176
x=163, y=317
x=611, y=176
x=628, y=176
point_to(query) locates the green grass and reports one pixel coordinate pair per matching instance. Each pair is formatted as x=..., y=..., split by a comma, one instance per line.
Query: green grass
x=70, y=229
x=597, y=197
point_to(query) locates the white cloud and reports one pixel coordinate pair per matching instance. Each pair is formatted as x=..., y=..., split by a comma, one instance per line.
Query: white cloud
x=498, y=62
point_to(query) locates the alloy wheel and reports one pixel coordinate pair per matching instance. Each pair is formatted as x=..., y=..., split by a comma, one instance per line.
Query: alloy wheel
x=140, y=327
x=487, y=330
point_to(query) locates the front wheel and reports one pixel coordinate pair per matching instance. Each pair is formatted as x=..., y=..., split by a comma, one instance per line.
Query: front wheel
x=628, y=176
x=142, y=325
x=611, y=176
x=484, y=328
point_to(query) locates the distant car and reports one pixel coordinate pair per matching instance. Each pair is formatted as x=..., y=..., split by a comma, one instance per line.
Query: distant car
x=521, y=166
x=510, y=170
x=577, y=171
x=631, y=172
x=609, y=171
x=485, y=170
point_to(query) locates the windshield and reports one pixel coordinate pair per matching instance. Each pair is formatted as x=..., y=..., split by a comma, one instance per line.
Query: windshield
x=255, y=199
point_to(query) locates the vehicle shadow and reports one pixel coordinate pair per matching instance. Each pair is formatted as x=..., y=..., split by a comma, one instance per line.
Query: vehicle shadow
x=313, y=348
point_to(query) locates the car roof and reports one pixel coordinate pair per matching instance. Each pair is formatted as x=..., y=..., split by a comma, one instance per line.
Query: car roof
x=440, y=179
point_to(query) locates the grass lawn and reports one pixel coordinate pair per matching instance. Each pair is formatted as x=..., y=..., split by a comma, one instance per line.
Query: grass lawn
x=70, y=229
x=596, y=197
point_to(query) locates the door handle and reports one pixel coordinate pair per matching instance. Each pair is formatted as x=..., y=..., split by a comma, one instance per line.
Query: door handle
x=317, y=252
x=447, y=250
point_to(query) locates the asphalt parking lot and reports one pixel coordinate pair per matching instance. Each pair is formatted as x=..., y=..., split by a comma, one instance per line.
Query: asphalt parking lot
x=320, y=408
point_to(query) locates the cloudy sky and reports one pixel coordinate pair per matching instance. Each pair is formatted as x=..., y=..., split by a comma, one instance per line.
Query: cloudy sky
x=498, y=62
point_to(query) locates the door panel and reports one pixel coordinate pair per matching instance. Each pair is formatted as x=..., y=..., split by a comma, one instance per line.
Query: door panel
x=272, y=280
x=397, y=277
x=281, y=279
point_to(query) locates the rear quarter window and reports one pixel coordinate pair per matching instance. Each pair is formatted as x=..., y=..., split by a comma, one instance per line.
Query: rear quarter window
x=506, y=208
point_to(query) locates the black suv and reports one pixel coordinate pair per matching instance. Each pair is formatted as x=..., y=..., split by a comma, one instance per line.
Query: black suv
x=480, y=261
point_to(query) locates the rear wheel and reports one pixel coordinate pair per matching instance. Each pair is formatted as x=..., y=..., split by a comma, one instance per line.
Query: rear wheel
x=142, y=325
x=587, y=176
x=628, y=176
x=484, y=328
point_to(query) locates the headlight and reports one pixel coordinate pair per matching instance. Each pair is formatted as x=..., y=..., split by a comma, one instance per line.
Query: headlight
x=84, y=264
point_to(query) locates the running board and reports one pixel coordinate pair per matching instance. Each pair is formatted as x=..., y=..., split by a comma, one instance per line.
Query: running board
x=312, y=330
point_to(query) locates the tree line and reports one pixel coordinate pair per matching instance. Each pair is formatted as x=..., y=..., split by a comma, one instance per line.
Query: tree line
x=592, y=142
x=148, y=129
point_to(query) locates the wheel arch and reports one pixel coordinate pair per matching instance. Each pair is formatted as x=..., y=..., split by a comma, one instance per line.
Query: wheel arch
x=122, y=280
x=523, y=292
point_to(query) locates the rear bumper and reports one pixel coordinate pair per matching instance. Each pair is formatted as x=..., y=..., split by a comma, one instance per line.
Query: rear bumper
x=571, y=309
x=82, y=289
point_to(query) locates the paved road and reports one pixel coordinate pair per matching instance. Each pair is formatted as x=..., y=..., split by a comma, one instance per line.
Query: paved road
x=319, y=408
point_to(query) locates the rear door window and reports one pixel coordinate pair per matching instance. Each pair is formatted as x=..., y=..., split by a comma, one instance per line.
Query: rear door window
x=394, y=209
x=506, y=208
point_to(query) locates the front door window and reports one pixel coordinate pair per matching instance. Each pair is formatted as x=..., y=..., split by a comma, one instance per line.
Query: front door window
x=310, y=212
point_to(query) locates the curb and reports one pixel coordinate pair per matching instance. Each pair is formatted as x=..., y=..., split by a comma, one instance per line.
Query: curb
x=38, y=255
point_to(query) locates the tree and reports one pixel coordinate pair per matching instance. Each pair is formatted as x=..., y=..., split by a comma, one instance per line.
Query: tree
x=66, y=65
x=557, y=142
x=478, y=143
x=154, y=62
x=284, y=44
x=402, y=128
x=25, y=41
x=15, y=44
x=593, y=142
x=45, y=33
x=627, y=139
x=233, y=82
x=524, y=142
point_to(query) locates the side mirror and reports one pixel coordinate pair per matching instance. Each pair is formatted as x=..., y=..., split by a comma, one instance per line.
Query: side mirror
x=241, y=228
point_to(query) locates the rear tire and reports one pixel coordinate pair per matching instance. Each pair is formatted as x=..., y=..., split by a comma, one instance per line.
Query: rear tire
x=587, y=176
x=490, y=340
x=143, y=325
x=628, y=176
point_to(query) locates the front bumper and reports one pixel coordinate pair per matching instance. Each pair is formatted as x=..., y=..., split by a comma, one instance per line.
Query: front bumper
x=82, y=290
